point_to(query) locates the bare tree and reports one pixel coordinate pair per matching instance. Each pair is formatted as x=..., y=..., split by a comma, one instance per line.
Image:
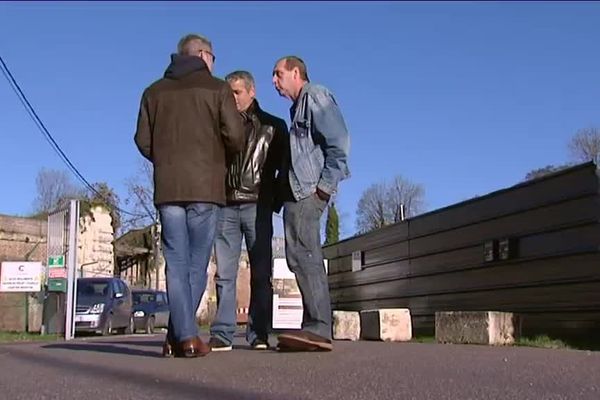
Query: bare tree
x=381, y=204
x=54, y=188
x=585, y=145
x=403, y=193
x=140, y=190
x=373, y=212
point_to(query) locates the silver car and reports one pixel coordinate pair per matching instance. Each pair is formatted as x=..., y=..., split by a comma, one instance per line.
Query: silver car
x=104, y=305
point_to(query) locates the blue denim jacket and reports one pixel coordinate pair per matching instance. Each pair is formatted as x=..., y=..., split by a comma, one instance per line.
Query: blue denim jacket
x=319, y=143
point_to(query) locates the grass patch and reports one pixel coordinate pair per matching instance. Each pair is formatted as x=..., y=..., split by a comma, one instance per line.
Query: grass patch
x=9, y=337
x=423, y=339
x=546, y=342
x=543, y=341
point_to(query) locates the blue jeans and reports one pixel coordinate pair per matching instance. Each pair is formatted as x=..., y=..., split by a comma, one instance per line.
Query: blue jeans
x=304, y=257
x=255, y=223
x=188, y=234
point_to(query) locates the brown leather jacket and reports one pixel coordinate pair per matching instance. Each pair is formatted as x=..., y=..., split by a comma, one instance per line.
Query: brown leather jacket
x=252, y=172
x=188, y=125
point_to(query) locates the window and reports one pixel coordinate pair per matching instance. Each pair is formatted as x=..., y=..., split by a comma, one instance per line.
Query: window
x=116, y=288
x=144, y=297
x=162, y=299
x=92, y=289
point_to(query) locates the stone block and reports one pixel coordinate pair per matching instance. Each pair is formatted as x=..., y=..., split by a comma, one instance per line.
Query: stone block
x=477, y=327
x=346, y=325
x=387, y=324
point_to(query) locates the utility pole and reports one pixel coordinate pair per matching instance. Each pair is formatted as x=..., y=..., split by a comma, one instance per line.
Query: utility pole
x=156, y=251
x=72, y=269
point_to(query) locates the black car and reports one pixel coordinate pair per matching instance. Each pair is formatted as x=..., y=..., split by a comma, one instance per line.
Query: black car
x=150, y=310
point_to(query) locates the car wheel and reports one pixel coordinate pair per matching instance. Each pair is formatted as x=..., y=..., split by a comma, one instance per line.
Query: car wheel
x=107, y=329
x=131, y=327
x=150, y=325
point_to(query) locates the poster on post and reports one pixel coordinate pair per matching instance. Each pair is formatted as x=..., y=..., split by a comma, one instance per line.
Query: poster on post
x=287, y=299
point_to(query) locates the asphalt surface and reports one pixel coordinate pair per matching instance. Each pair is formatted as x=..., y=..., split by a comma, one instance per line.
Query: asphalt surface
x=130, y=367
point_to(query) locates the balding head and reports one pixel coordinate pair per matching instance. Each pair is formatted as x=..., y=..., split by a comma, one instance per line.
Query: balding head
x=289, y=76
x=291, y=62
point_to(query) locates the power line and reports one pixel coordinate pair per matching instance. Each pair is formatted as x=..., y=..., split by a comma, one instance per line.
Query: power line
x=40, y=125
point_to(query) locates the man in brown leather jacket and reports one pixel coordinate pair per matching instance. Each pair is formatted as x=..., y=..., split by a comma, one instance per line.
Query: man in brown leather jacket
x=250, y=204
x=188, y=126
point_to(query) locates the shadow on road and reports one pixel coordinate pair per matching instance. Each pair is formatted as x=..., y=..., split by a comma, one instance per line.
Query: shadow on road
x=135, y=380
x=149, y=343
x=104, y=348
x=158, y=344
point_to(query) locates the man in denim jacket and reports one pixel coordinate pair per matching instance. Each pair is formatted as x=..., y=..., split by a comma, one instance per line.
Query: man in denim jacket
x=316, y=163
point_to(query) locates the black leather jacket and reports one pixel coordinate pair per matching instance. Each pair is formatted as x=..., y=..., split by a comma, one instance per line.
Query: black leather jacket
x=251, y=173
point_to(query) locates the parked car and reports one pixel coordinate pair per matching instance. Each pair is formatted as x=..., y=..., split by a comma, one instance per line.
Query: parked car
x=104, y=305
x=150, y=310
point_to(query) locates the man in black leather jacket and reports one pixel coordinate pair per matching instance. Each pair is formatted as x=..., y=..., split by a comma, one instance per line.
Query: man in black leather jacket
x=251, y=199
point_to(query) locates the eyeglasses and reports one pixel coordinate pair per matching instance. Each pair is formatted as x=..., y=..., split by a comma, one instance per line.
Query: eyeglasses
x=211, y=54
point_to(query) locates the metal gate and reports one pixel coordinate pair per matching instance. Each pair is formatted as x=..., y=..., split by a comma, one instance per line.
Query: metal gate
x=63, y=230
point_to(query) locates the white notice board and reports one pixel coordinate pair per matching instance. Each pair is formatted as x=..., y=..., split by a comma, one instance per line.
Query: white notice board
x=21, y=276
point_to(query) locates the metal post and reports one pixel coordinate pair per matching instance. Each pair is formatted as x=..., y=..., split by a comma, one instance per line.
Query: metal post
x=26, y=313
x=156, y=251
x=72, y=270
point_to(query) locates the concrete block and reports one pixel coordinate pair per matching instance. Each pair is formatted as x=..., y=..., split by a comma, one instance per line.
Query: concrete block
x=477, y=327
x=346, y=325
x=387, y=324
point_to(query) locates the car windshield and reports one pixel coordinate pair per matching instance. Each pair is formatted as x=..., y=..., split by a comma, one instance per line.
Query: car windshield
x=141, y=298
x=92, y=289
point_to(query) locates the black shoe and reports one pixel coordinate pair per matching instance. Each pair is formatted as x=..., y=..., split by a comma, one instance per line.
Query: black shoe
x=259, y=344
x=217, y=344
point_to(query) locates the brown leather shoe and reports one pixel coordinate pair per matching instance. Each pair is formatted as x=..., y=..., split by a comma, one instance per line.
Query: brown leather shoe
x=191, y=348
x=303, y=341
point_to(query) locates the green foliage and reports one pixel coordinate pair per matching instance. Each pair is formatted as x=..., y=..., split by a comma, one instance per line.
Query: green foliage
x=103, y=196
x=332, y=228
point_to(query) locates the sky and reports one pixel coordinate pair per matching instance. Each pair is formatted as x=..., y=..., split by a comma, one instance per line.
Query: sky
x=464, y=98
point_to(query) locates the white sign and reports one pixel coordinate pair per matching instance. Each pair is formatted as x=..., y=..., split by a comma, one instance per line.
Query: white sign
x=357, y=261
x=20, y=276
x=287, y=300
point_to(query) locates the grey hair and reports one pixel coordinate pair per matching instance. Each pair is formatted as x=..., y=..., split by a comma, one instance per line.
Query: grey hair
x=243, y=75
x=192, y=44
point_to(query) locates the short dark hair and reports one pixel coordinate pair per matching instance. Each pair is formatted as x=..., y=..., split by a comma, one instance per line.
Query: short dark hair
x=292, y=62
x=192, y=44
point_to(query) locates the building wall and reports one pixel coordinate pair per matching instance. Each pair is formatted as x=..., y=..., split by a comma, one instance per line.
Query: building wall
x=95, y=254
x=21, y=239
x=26, y=239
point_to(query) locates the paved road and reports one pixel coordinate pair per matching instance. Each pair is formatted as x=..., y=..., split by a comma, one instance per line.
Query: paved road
x=131, y=368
